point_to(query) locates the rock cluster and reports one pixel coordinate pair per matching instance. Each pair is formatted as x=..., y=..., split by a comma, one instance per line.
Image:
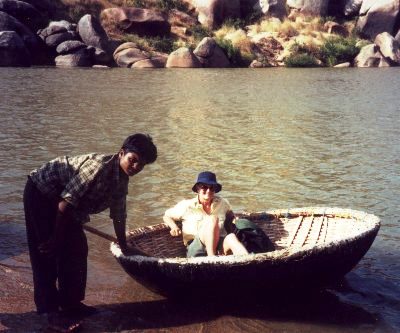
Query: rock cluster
x=78, y=45
x=384, y=52
x=27, y=39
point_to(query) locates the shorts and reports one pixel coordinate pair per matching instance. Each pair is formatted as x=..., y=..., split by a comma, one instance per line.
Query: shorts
x=196, y=248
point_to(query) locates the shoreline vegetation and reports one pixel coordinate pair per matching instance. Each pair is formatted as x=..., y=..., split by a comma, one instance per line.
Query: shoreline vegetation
x=200, y=33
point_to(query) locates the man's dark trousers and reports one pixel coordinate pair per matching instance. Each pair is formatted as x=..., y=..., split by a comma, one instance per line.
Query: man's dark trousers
x=61, y=280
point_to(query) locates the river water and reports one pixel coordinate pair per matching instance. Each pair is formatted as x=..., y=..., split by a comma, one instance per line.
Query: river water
x=277, y=138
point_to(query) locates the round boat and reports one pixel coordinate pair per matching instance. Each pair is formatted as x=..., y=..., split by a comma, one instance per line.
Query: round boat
x=314, y=247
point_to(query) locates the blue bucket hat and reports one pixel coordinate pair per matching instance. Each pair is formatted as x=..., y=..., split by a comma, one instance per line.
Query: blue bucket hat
x=209, y=178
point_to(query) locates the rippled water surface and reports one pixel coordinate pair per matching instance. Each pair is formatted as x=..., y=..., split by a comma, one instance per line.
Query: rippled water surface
x=276, y=138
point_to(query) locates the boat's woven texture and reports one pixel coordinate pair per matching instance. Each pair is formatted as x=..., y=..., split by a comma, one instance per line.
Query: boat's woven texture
x=286, y=228
x=315, y=246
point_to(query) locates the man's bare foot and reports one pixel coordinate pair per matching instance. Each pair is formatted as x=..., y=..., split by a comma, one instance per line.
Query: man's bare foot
x=59, y=323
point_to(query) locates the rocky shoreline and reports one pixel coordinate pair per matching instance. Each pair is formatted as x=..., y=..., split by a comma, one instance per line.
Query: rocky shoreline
x=263, y=33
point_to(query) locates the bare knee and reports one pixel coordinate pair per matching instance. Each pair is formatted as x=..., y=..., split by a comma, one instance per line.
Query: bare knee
x=232, y=244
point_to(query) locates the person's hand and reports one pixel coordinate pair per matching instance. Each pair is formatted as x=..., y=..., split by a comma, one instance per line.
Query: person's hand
x=175, y=231
x=132, y=251
x=49, y=248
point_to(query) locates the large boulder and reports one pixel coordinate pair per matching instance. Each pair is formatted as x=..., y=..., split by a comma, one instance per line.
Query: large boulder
x=32, y=42
x=377, y=16
x=370, y=56
x=311, y=7
x=23, y=12
x=127, y=54
x=332, y=27
x=389, y=47
x=50, y=8
x=70, y=46
x=181, y=23
x=93, y=34
x=181, y=19
x=274, y=8
x=183, y=58
x=13, y=52
x=143, y=22
x=316, y=7
x=51, y=30
x=80, y=58
x=352, y=7
x=156, y=61
x=296, y=4
x=397, y=37
x=58, y=32
x=210, y=54
x=63, y=23
x=212, y=13
x=249, y=7
x=56, y=39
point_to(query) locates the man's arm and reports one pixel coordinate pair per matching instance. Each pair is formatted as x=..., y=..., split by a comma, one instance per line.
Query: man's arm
x=169, y=221
x=120, y=232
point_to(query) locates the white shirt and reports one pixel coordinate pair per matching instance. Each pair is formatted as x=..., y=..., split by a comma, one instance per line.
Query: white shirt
x=193, y=216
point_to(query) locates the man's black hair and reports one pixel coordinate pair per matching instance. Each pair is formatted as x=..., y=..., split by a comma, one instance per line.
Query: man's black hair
x=141, y=144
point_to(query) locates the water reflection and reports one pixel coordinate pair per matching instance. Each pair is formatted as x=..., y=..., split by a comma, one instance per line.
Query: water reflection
x=276, y=138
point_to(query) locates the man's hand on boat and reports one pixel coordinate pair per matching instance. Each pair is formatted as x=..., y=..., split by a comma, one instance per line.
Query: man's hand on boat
x=128, y=250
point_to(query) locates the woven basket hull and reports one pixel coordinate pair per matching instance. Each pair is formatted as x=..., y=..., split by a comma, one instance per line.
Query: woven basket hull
x=311, y=263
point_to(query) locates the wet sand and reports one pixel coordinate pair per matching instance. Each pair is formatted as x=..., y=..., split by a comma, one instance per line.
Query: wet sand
x=126, y=306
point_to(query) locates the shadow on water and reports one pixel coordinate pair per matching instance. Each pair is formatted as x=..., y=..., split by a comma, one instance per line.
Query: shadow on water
x=319, y=308
x=13, y=240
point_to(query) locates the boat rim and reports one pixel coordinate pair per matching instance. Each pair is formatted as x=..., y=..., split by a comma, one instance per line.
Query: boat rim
x=285, y=253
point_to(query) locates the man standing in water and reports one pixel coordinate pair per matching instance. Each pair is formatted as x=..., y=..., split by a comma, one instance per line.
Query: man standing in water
x=58, y=199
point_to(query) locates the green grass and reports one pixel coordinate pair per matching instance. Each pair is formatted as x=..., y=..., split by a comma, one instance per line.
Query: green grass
x=199, y=32
x=167, y=5
x=301, y=60
x=135, y=3
x=75, y=12
x=338, y=50
x=160, y=44
x=333, y=51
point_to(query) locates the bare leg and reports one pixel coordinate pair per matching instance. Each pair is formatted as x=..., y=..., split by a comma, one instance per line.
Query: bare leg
x=232, y=244
x=209, y=235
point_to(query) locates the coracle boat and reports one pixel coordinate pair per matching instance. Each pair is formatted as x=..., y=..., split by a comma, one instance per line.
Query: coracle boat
x=314, y=246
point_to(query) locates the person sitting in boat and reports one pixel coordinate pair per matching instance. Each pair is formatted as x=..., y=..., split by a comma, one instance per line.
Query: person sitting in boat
x=203, y=220
x=58, y=198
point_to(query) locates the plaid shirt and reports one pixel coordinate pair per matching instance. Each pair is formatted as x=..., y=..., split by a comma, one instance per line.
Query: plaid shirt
x=90, y=183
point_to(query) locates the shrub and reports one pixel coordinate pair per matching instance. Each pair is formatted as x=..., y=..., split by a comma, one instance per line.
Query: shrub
x=236, y=23
x=338, y=49
x=302, y=55
x=76, y=10
x=301, y=60
x=135, y=3
x=323, y=19
x=199, y=32
x=166, y=5
x=160, y=44
x=235, y=56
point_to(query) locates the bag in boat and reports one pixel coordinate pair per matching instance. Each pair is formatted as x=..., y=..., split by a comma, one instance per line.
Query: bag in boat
x=252, y=237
